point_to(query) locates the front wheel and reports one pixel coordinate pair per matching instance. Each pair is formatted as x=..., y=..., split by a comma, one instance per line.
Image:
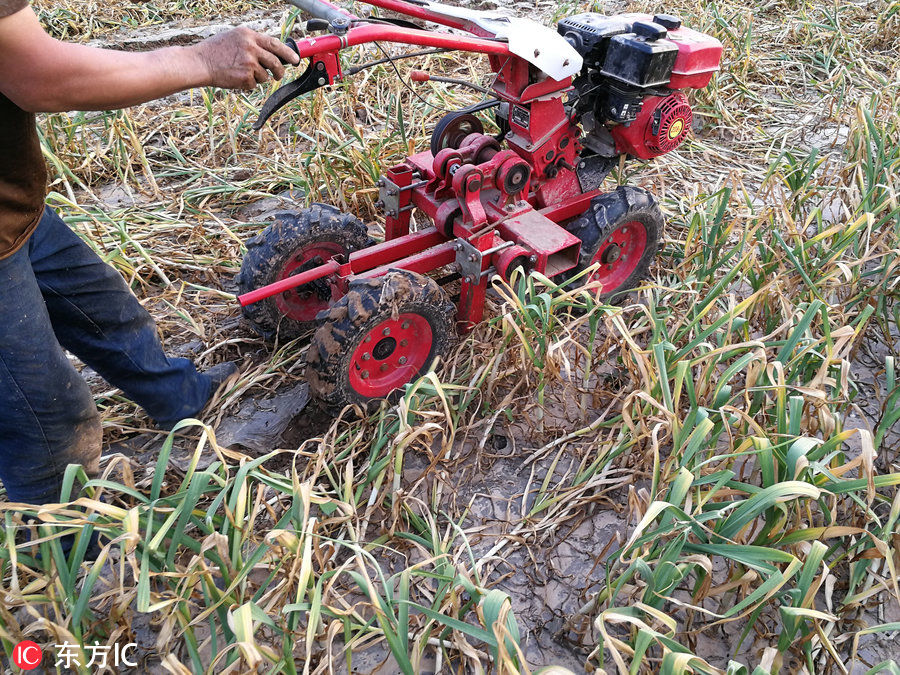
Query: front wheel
x=620, y=232
x=384, y=333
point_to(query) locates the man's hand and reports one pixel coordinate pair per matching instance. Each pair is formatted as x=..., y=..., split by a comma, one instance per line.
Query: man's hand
x=239, y=58
x=41, y=74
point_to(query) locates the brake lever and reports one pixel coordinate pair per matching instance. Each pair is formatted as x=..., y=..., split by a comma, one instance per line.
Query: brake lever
x=316, y=75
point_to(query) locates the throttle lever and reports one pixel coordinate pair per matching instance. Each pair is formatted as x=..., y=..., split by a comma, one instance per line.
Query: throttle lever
x=315, y=25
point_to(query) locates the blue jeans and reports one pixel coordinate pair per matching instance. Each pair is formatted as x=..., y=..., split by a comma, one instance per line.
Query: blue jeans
x=56, y=294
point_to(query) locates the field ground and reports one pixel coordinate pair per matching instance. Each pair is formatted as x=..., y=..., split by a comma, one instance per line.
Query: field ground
x=703, y=479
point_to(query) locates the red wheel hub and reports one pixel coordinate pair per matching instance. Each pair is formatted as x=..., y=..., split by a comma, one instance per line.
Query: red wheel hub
x=304, y=302
x=390, y=355
x=619, y=255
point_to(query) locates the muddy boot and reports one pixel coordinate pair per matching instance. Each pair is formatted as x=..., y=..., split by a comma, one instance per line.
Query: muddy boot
x=218, y=376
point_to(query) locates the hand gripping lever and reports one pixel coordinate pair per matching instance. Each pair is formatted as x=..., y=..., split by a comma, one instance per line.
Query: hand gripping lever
x=323, y=70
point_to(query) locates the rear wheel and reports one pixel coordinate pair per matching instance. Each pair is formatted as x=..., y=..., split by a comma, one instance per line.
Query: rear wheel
x=620, y=232
x=297, y=241
x=384, y=333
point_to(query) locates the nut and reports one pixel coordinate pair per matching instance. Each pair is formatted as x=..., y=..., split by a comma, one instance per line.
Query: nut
x=402, y=360
x=364, y=374
x=386, y=331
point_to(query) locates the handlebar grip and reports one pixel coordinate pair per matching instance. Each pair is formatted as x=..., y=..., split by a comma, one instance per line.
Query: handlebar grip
x=291, y=44
x=320, y=9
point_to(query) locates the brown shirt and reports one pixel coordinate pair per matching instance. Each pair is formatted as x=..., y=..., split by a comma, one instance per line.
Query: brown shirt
x=23, y=176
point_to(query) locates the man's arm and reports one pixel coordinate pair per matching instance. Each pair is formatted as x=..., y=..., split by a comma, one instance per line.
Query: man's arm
x=41, y=74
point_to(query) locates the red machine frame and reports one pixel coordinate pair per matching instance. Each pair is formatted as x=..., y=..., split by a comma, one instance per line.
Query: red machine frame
x=491, y=208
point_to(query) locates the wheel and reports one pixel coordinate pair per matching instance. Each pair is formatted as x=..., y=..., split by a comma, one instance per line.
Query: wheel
x=295, y=242
x=384, y=333
x=452, y=128
x=620, y=231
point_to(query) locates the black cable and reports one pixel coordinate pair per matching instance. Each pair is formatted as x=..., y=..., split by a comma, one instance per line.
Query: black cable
x=370, y=64
x=406, y=84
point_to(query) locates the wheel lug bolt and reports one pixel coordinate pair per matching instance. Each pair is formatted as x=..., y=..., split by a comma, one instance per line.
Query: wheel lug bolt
x=402, y=360
x=386, y=331
x=405, y=325
x=403, y=343
x=384, y=367
x=364, y=375
x=366, y=357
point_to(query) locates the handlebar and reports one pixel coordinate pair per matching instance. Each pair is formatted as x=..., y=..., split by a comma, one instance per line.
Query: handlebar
x=322, y=10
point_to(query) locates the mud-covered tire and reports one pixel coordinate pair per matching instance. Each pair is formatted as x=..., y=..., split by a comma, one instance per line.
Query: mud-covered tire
x=384, y=333
x=287, y=246
x=621, y=231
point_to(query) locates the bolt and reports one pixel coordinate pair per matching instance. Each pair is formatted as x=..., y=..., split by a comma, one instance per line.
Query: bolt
x=320, y=66
x=623, y=231
x=368, y=338
x=457, y=246
x=510, y=207
x=322, y=81
x=364, y=374
x=532, y=259
x=386, y=331
x=402, y=360
x=379, y=204
x=392, y=191
x=613, y=111
x=367, y=356
x=467, y=280
x=384, y=367
x=473, y=257
x=581, y=165
x=403, y=343
x=404, y=325
x=379, y=182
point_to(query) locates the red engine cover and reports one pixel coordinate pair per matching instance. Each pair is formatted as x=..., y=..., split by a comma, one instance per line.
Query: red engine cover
x=660, y=127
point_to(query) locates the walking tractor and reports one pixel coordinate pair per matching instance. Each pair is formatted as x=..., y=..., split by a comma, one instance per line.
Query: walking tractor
x=570, y=103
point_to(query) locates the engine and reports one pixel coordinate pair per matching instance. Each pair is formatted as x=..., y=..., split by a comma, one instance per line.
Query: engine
x=628, y=95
